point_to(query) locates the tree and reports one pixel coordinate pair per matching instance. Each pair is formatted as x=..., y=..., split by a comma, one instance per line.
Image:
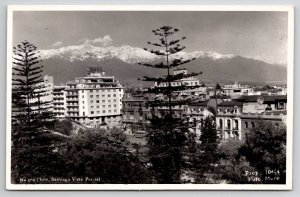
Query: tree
x=265, y=149
x=168, y=135
x=233, y=166
x=32, y=144
x=104, y=154
x=207, y=154
x=28, y=87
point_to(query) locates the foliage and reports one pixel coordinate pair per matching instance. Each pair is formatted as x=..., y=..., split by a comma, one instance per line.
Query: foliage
x=33, y=151
x=206, y=156
x=28, y=87
x=233, y=166
x=168, y=139
x=104, y=154
x=63, y=126
x=168, y=135
x=265, y=149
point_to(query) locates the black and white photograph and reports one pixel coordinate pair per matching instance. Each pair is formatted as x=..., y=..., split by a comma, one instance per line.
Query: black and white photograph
x=149, y=97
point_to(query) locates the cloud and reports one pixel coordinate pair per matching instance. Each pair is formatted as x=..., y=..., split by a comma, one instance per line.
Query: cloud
x=57, y=44
x=105, y=41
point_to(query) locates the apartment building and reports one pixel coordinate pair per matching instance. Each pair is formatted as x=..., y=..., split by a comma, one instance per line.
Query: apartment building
x=228, y=120
x=235, y=90
x=95, y=99
x=193, y=84
x=59, y=101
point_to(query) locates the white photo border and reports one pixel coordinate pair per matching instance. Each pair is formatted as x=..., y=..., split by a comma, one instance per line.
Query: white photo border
x=290, y=97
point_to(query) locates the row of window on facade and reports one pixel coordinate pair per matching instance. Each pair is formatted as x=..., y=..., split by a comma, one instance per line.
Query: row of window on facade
x=228, y=110
x=103, y=111
x=98, y=106
x=228, y=124
x=179, y=83
x=103, y=95
x=103, y=101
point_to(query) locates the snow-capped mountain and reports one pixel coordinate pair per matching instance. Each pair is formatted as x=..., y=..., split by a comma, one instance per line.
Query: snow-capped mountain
x=122, y=63
x=125, y=53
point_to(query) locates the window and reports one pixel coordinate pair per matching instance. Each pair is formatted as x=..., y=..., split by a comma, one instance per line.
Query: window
x=92, y=101
x=82, y=96
x=252, y=124
x=228, y=124
x=103, y=111
x=92, y=106
x=109, y=111
x=115, y=105
x=114, y=90
x=108, y=95
x=109, y=105
x=115, y=100
x=92, y=112
x=97, y=101
x=91, y=96
x=115, y=110
x=221, y=124
x=236, y=122
x=98, y=106
x=280, y=105
x=114, y=95
x=103, y=95
x=103, y=101
x=246, y=125
x=109, y=101
x=97, y=96
x=103, y=105
x=91, y=90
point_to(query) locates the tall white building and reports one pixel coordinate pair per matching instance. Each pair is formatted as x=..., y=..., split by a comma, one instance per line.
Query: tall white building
x=95, y=99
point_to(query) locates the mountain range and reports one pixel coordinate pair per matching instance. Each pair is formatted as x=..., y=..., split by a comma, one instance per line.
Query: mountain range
x=66, y=63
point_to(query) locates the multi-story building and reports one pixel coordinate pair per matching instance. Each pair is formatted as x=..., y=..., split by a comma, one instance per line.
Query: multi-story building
x=237, y=89
x=194, y=87
x=139, y=107
x=228, y=120
x=196, y=113
x=136, y=111
x=272, y=108
x=235, y=118
x=59, y=101
x=44, y=93
x=95, y=99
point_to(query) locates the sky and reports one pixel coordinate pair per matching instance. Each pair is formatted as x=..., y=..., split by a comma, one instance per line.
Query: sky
x=259, y=35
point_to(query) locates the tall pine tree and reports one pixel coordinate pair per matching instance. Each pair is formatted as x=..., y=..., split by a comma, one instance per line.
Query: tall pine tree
x=169, y=134
x=32, y=150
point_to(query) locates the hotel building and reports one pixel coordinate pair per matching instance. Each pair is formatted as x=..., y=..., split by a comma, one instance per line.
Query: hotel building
x=95, y=99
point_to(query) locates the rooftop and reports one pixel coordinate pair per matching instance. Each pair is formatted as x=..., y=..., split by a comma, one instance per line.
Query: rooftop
x=266, y=98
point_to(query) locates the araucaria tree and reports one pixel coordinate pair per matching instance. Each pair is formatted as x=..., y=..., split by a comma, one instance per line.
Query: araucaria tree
x=169, y=134
x=28, y=87
x=32, y=153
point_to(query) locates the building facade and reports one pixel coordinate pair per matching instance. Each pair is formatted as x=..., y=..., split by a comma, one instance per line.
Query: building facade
x=95, y=99
x=59, y=101
x=237, y=89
